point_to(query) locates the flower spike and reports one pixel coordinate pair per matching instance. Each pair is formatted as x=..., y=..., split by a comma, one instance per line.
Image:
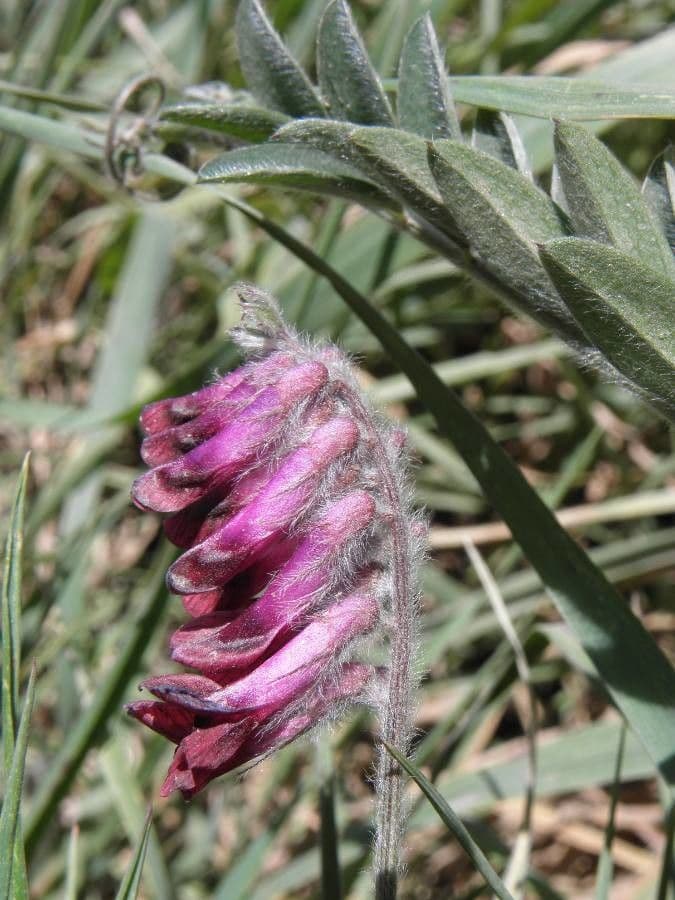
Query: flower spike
x=287, y=494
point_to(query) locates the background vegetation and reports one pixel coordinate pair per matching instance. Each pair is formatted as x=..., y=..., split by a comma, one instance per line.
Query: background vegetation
x=111, y=298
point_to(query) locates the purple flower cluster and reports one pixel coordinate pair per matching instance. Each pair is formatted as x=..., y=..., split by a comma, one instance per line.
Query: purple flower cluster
x=272, y=479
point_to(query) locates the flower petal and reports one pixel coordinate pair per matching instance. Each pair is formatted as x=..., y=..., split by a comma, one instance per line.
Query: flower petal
x=171, y=721
x=174, y=485
x=220, y=644
x=269, y=516
x=300, y=663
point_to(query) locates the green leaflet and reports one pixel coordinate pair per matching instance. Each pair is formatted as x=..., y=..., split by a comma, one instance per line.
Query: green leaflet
x=495, y=133
x=658, y=189
x=348, y=82
x=604, y=201
x=395, y=160
x=251, y=123
x=503, y=215
x=271, y=72
x=400, y=161
x=425, y=104
x=625, y=307
x=302, y=168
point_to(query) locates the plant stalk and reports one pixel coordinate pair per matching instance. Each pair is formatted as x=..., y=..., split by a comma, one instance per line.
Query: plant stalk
x=397, y=715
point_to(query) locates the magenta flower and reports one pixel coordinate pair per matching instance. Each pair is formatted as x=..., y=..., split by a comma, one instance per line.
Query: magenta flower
x=284, y=490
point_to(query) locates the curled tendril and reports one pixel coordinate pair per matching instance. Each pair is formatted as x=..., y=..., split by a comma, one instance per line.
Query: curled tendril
x=123, y=148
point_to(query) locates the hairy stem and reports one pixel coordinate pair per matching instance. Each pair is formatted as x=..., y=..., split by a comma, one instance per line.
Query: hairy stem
x=396, y=724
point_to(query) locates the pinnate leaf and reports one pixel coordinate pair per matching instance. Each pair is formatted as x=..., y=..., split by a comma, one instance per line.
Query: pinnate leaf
x=604, y=201
x=349, y=83
x=626, y=308
x=425, y=104
x=271, y=72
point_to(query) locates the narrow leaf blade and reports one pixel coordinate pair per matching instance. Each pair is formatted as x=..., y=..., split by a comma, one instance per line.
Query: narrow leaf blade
x=9, y=818
x=348, y=81
x=11, y=617
x=11, y=656
x=454, y=824
x=571, y=98
x=271, y=72
x=425, y=104
x=128, y=889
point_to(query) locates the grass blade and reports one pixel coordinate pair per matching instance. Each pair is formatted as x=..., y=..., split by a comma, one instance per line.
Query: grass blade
x=454, y=824
x=331, y=879
x=87, y=732
x=11, y=656
x=11, y=617
x=71, y=879
x=48, y=131
x=570, y=98
x=519, y=861
x=131, y=883
x=603, y=879
x=9, y=818
x=64, y=101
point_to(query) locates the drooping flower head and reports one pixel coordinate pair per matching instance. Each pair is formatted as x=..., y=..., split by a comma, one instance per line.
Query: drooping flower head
x=287, y=494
